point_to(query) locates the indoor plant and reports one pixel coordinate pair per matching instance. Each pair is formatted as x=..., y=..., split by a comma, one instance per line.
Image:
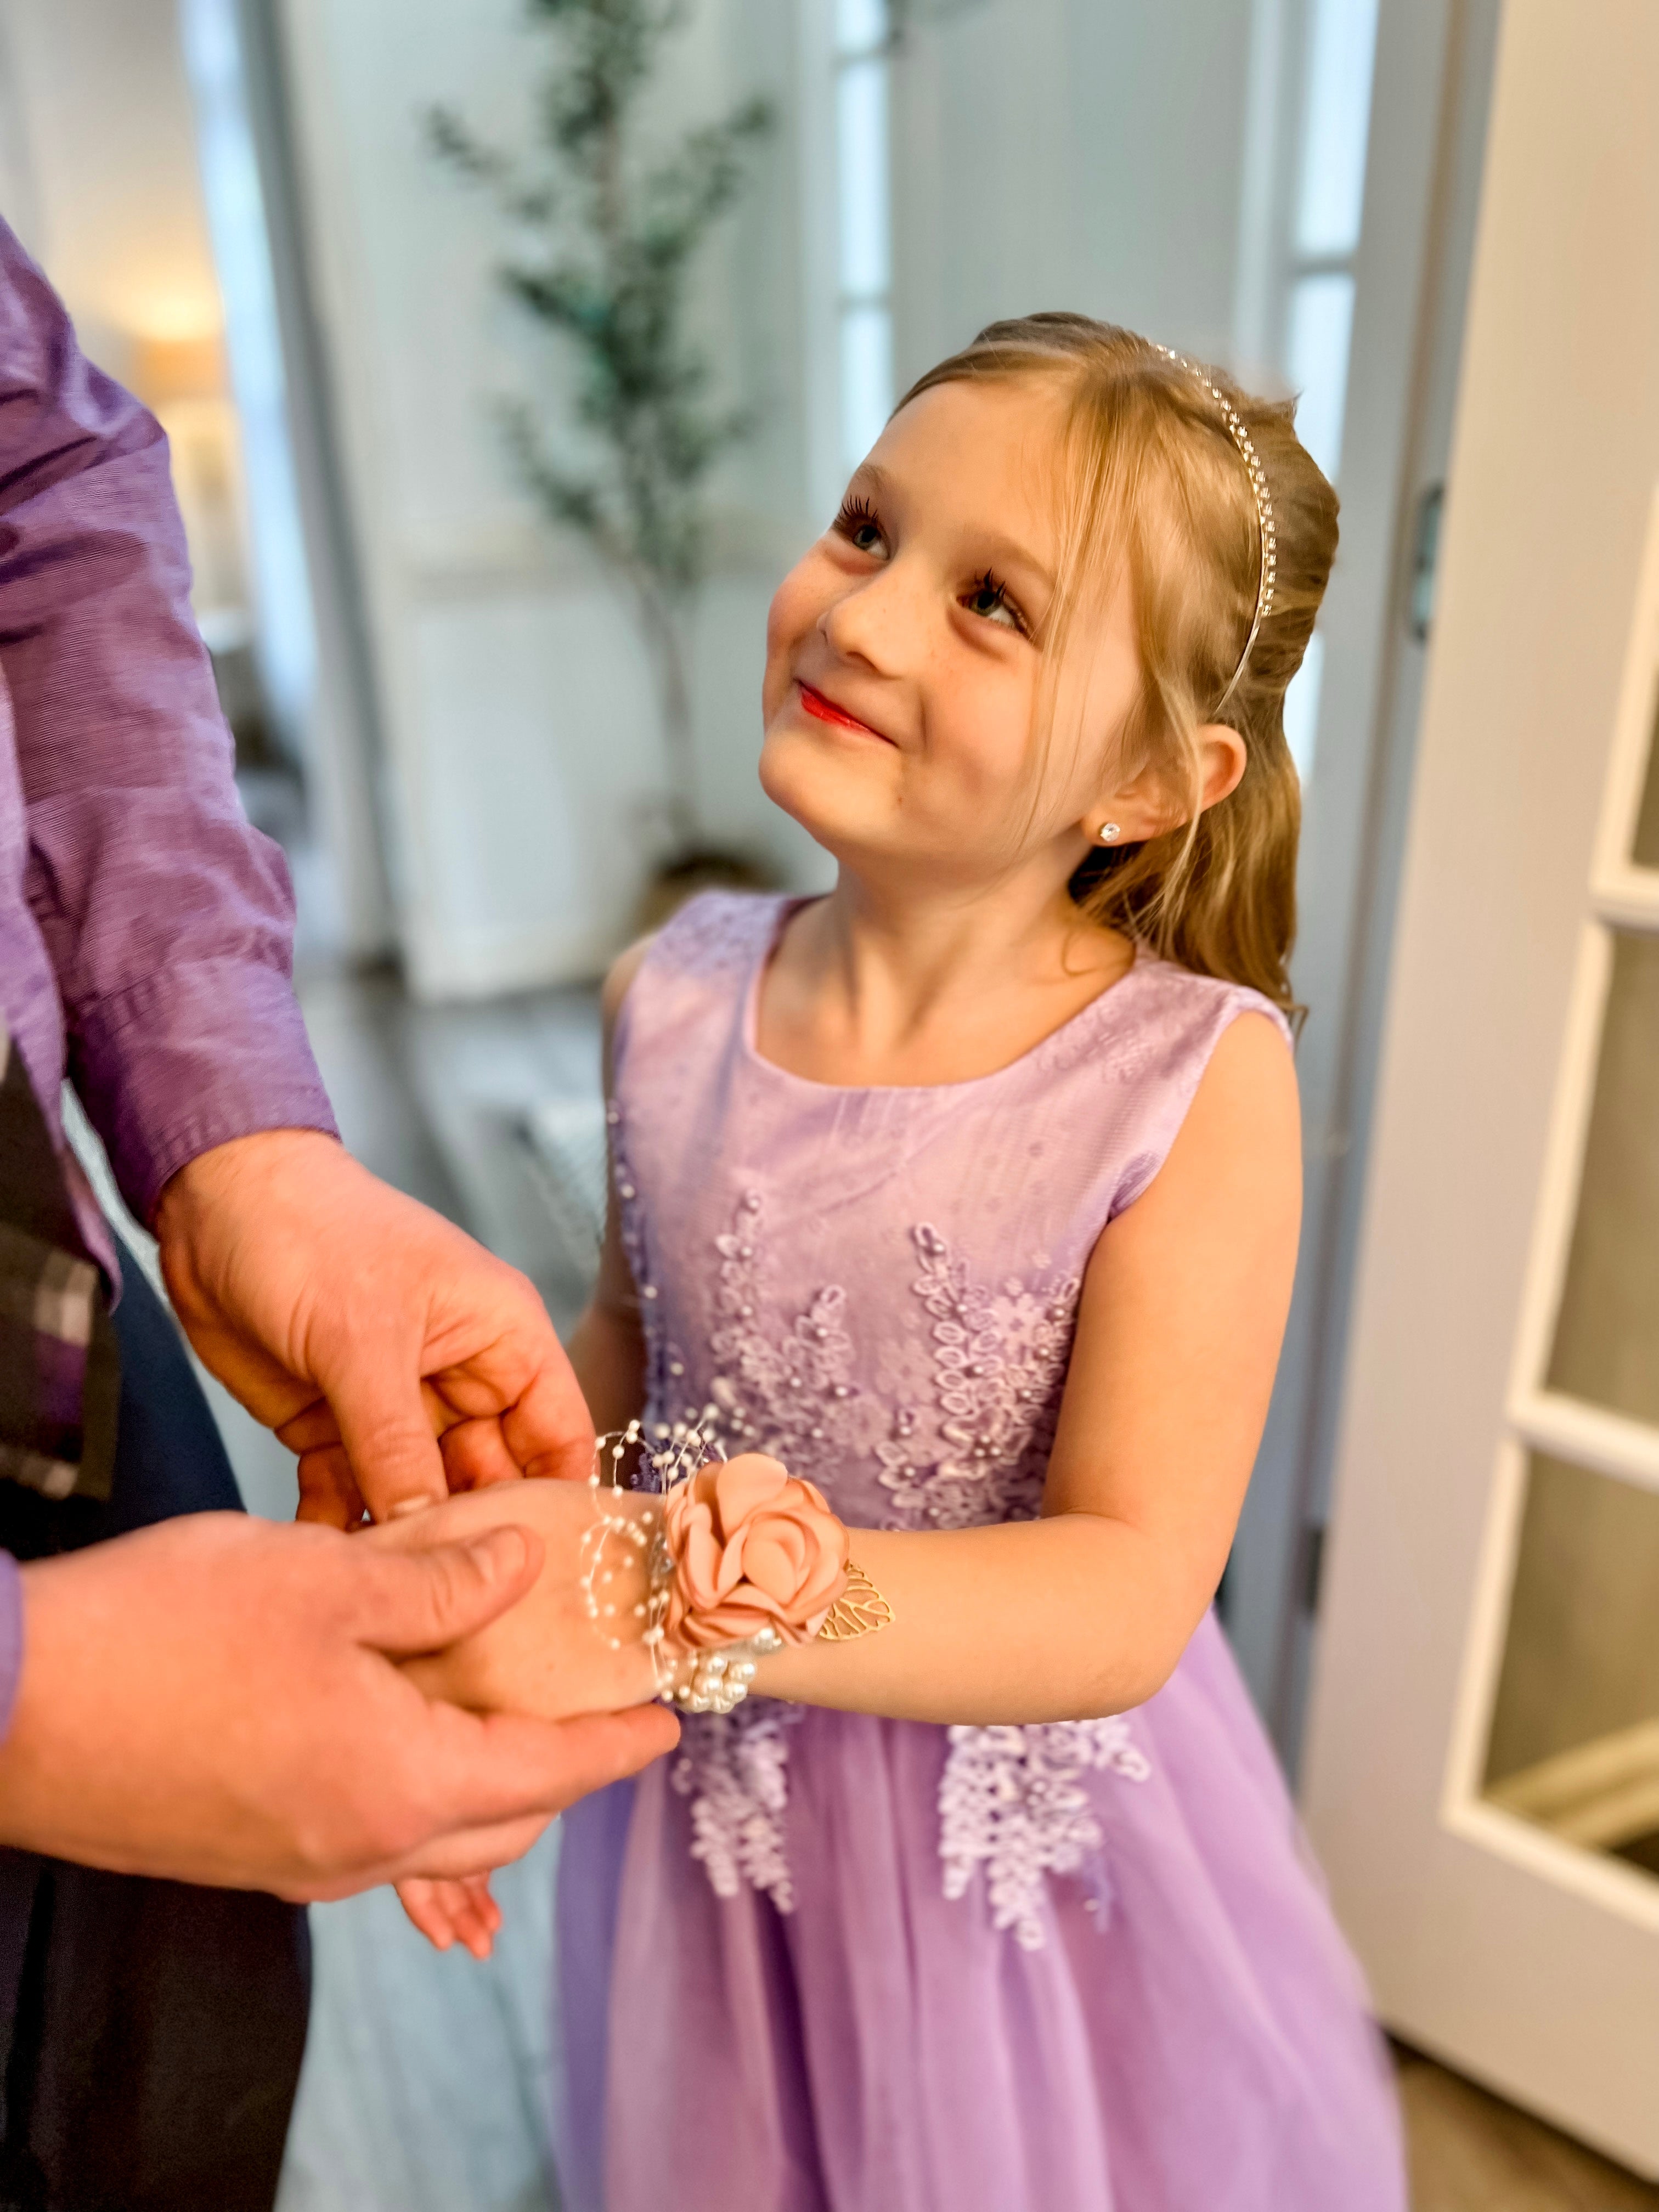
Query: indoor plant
x=605, y=230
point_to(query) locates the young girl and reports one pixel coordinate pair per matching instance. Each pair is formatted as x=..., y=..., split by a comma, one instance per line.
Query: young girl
x=970, y=1193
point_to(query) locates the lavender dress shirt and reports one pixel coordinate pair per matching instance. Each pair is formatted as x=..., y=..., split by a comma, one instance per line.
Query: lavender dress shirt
x=146, y=931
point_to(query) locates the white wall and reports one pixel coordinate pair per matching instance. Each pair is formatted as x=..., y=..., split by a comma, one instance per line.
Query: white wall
x=1073, y=153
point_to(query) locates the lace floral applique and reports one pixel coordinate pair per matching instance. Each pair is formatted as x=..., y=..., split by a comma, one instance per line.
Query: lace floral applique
x=734, y=1768
x=792, y=1395
x=663, y=1361
x=999, y=1362
x=1012, y=1799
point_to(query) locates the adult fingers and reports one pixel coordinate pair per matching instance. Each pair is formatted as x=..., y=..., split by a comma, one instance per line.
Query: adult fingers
x=475, y=1455
x=328, y=1491
x=503, y=1765
x=384, y=1426
x=421, y=1599
x=311, y=1428
x=550, y=1431
x=314, y=1425
x=501, y=1780
x=456, y=1857
x=477, y=1851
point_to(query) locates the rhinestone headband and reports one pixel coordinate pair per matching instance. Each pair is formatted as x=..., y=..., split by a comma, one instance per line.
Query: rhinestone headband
x=1264, y=515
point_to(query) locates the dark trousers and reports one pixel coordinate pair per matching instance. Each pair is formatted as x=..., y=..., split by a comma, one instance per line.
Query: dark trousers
x=151, y=2032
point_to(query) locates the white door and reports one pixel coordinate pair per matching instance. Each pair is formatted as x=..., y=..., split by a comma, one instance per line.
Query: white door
x=1482, y=1772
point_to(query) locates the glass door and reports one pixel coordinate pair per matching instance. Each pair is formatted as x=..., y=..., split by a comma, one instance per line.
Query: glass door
x=1481, y=1777
x=1558, y=1741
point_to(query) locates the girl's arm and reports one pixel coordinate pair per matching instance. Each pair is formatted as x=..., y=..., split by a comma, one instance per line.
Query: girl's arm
x=1080, y=1613
x=607, y=1345
x=1086, y=1611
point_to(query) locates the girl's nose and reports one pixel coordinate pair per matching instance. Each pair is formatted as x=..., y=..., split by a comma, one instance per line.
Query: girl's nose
x=875, y=621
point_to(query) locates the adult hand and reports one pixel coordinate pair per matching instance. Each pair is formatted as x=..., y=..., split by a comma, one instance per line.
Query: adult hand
x=395, y=1355
x=217, y=1700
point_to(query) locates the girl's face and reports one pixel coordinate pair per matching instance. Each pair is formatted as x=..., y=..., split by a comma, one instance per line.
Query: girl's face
x=904, y=664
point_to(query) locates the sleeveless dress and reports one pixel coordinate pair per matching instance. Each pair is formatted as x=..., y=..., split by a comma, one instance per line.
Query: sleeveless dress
x=821, y=1962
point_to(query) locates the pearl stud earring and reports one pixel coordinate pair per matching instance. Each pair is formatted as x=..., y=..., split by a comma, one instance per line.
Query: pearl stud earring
x=1108, y=831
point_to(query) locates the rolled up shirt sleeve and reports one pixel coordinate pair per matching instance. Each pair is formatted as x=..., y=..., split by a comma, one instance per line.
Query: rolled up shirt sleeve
x=167, y=919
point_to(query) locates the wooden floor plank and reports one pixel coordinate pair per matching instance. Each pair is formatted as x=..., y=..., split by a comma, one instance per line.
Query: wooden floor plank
x=1471, y=2151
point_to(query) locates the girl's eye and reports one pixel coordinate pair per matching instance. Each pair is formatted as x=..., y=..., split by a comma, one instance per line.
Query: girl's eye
x=857, y=524
x=989, y=600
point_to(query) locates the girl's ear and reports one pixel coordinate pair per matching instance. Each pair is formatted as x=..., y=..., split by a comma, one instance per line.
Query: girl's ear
x=1146, y=807
x=1222, y=759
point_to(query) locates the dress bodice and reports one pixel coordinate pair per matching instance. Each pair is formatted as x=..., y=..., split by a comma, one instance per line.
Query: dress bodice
x=879, y=1285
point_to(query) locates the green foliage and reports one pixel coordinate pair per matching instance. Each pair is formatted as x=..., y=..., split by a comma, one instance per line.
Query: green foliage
x=606, y=236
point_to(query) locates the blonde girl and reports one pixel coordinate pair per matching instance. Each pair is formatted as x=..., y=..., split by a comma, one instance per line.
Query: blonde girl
x=970, y=1192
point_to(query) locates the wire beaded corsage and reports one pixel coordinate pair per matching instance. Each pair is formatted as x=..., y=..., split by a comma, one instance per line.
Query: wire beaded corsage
x=739, y=1559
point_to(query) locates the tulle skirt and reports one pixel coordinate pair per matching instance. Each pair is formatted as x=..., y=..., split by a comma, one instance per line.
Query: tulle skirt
x=1181, y=2027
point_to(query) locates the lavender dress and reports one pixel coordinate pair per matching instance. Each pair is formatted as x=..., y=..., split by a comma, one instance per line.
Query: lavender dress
x=819, y=1962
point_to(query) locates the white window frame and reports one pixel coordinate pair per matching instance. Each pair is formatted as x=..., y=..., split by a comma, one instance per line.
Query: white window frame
x=834, y=46
x=1279, y=265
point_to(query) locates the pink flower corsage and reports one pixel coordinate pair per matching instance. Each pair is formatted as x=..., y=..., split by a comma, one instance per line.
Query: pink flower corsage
x=754, y=1548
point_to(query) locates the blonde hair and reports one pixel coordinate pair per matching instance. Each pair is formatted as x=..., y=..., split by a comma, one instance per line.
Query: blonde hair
x=1155, y=483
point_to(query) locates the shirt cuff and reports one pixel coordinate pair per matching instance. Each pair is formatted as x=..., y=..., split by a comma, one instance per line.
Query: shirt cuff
x=190, y=1058
x=11, y=1638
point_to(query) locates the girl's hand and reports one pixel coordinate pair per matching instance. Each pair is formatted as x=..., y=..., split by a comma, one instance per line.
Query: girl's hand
x=447, y=1912
x=544, y=1656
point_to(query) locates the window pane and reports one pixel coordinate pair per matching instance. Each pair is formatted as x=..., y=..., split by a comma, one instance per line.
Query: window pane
x=1337, y=121
x=1321, y=321
x=862, y=156
x=1575, y=1735
x=1606, y=1334
x=867, y=379
x=859, y=25
x=1302, y=706
x=1645, y=850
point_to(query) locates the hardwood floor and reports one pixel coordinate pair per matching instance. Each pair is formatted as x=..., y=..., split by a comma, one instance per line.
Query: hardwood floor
x=1470, y=2152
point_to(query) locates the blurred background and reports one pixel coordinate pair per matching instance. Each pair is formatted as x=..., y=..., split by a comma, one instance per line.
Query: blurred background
x=496, y=710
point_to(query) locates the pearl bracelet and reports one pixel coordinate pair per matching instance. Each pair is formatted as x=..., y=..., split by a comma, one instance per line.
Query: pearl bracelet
x=720, y=1680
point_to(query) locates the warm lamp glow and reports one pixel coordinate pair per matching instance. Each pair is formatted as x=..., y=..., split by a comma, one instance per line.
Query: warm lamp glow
x=166, y=370
x=171, y=311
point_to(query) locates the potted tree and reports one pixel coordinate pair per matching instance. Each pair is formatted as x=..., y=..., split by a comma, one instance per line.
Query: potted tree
x=604, y=229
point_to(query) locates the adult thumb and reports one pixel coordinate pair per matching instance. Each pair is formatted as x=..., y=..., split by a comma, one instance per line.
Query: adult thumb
x=422, y=1600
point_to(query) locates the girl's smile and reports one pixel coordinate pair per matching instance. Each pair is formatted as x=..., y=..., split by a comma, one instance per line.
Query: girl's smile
x=824, y=709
